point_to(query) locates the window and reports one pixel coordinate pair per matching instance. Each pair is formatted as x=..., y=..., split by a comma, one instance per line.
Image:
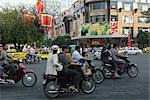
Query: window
x=144, y=29
x=143, y=7
x=127, y=30
x=98, y=5
x=98, y=18
x=127, y=19
x=114, y=18
x=144, y=19
x=114, y=5
x=143, y=1
x=127, y=6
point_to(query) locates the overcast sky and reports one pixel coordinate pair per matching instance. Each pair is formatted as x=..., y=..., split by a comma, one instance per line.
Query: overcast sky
x=16, y=2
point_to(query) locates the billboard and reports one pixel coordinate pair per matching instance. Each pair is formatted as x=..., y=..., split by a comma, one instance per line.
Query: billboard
x=89, y=29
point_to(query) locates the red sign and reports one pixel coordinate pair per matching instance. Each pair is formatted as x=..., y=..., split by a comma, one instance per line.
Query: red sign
x=114, y=27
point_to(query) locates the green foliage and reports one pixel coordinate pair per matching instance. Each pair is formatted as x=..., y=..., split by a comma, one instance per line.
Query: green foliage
x=147, y=13
x=143, y=38
x=63, y=40
x=13, y=30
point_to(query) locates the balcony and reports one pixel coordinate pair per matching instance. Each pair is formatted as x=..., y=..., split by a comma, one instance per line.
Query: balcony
x=88, y=1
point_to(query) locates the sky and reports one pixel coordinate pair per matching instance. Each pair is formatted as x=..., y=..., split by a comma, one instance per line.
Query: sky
x=3, y=3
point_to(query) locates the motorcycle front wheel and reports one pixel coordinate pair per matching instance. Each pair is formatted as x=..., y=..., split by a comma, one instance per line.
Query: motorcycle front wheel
x=98, y=76
x=132, y=71
x=29, y=79
x=51, y=90
x=88, y=86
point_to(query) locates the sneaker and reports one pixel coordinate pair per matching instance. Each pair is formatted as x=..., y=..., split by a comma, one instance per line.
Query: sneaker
x=117, y=76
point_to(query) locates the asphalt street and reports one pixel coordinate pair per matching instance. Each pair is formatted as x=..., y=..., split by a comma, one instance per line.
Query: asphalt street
x=125, y=88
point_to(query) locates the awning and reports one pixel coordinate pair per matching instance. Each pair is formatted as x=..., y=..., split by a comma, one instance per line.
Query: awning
x=100, y=36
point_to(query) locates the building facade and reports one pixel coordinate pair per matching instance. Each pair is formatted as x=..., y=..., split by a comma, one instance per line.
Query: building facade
x=105, y=18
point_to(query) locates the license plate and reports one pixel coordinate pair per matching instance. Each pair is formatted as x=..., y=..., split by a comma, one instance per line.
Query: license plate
x=44, y=81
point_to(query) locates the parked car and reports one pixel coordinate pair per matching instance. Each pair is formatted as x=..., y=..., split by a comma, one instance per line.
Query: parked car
x=133, y=50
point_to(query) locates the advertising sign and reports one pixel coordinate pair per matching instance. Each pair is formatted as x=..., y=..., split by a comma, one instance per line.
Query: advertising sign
x=114, y=27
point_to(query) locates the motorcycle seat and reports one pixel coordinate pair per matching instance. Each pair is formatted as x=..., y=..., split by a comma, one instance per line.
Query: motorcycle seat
x=48, y=76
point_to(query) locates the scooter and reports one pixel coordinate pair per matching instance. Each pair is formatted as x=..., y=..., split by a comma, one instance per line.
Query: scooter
x=129, y=68
x=27, y=76
x=52, y=84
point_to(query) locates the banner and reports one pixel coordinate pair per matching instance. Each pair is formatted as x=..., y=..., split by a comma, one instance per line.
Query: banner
x=46, y=21
x=114, y=27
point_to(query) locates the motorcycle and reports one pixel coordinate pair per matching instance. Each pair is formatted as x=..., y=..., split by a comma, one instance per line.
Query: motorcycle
x=129, y=68
x=52, y=85
x=97, y=73
x=29, y=60
x=27, y=76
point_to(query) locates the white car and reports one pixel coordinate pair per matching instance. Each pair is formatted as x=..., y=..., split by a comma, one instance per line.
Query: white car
x=133, y=50
x=97, y=54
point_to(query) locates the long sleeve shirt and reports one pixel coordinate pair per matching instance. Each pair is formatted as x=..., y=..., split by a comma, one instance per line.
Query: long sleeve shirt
x=115, y=55
x=76, y=56
x=53, y=64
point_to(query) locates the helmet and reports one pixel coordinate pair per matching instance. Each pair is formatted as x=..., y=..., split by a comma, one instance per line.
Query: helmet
x=55, y=47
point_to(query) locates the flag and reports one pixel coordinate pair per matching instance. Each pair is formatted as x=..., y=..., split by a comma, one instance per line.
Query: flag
x=39, y=6
x=46, y=21
x=129, y=40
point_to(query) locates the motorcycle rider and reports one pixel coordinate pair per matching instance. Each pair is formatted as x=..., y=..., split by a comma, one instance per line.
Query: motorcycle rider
x=67, y=72
x=117, y=57
x=1, y=68
x=106, y=57
x=5, y=56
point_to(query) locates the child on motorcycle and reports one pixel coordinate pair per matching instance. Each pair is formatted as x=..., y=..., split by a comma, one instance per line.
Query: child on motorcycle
x=78, y=58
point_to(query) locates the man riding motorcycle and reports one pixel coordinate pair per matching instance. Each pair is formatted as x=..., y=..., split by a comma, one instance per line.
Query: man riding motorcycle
x=10, y=68
x=117, y=57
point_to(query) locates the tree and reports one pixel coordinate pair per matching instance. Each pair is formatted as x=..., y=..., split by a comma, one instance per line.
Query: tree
x=63, y=40
x=13, y=30
x=143, y=39
x=147, y=13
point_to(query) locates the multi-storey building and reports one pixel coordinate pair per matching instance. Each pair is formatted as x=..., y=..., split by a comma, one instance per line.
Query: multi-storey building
x=66, y=4
x=105, y=18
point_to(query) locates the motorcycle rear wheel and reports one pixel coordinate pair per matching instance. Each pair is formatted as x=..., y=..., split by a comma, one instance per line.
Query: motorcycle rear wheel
x=29, y=79
x=51, y=90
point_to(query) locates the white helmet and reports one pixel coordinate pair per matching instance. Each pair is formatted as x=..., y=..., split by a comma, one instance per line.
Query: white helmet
x=55, y=47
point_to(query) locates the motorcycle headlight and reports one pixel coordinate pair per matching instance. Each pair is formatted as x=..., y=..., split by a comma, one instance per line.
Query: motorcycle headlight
x=20, y=60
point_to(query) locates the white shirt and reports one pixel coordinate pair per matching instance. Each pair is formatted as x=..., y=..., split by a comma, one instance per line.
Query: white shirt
x=76, y=56
x=52, y=64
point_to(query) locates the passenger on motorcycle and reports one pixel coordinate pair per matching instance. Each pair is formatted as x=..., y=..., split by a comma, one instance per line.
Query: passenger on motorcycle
x=11, y=69
x=67, y=72
x=78, y=58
